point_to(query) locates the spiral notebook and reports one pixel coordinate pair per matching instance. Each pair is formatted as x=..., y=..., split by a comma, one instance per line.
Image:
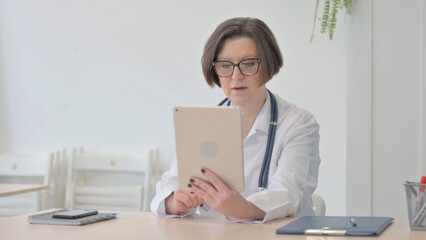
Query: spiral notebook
x=46, y=218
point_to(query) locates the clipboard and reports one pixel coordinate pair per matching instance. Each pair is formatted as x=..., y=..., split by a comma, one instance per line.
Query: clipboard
x=340, y=226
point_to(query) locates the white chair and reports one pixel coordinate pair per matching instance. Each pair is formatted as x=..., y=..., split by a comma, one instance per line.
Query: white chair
x=120, y=182
x=318, y=205
x=24, y=169
x=58, y=180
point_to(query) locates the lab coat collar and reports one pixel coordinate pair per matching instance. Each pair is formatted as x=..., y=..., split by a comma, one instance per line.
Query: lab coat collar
x=262, y=120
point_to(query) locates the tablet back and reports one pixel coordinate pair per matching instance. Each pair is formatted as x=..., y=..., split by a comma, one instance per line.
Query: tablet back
x=209, y=137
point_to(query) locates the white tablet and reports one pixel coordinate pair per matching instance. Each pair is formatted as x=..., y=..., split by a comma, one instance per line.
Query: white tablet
x=209, y=137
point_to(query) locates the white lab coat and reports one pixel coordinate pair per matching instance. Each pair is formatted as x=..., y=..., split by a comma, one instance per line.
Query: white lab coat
x=293, y=173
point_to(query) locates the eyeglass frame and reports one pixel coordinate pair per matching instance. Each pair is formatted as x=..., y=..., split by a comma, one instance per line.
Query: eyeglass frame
x=258, y=60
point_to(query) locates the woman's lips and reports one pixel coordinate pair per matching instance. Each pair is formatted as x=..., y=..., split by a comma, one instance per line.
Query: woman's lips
x=239, y=89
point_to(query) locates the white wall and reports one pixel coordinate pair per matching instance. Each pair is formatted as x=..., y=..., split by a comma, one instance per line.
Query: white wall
x=423, y=89
x=359, y=110
x=106, y=74
x=386, y=105
x=396, y=103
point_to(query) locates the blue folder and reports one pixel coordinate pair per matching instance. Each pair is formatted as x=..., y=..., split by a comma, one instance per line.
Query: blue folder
x=359, y=226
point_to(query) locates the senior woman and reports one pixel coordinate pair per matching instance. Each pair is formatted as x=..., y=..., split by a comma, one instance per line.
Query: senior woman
x=241, y=56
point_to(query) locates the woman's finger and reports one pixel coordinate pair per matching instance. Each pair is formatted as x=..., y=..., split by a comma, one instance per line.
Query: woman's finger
x=201, y=192
x=215, y=180
x=196, y=199
x=184, y=198
x=205, y=186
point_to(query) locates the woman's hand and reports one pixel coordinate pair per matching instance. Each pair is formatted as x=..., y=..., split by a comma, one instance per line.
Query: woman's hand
x=180, y=201
x=218, y=196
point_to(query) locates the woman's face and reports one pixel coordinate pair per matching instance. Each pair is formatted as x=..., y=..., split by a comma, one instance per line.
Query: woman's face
x=241, y=89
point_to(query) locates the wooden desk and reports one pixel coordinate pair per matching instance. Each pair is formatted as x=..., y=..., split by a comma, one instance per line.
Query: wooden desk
x=12, y=189
x=145, y=225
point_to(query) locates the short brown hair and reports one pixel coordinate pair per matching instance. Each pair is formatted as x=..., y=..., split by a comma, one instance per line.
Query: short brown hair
x=258, y=31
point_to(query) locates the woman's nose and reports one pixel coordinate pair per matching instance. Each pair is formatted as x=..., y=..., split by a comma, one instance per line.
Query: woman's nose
x=237, y=75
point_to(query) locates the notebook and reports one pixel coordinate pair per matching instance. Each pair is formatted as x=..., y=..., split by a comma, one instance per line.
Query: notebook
x=46, y=218
x=209, y=137
x=316, y=225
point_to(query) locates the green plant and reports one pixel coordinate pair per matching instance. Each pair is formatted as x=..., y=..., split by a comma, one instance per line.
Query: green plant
x=329, y=15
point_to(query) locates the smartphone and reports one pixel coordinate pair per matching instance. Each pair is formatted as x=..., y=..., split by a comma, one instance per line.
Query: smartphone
x=74, y=214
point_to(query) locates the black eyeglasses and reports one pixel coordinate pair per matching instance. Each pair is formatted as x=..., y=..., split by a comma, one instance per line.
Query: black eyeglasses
x=248, y=67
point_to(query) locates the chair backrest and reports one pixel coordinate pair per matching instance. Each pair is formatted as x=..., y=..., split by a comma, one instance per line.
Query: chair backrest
x=318, y=205
x=58, y=180
x=15, y=165
x=111, y=181
x=24, y=169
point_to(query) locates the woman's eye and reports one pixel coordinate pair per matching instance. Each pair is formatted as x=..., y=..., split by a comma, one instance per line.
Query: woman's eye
x=226, y=65
x=249, y=64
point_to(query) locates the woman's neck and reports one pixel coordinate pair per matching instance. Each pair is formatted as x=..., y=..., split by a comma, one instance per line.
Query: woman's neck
x=250, y=110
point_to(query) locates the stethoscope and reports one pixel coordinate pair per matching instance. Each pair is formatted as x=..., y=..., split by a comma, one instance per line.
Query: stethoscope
x=263, y=178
